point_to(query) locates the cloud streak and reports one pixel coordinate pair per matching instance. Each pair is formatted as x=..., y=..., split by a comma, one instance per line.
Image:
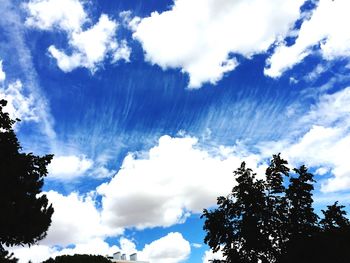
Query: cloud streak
x=15, y=31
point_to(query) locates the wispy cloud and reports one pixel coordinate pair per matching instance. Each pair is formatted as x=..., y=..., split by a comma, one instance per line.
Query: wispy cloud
x=2, y=73
x=19, y=106
x=323, y=140
x=14, y=31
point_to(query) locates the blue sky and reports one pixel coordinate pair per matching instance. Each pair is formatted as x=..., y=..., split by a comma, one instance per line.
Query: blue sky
x=148, y=107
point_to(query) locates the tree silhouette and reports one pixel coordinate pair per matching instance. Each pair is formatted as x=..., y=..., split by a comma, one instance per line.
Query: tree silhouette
x=302, y=221
x=277, y=206
x=25, y=214
x=330, y=242
x=236, y=226
x=263, y=221
x=334, y=217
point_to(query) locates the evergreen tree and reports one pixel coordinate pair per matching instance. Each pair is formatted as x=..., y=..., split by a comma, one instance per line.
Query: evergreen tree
x=276, y=221
x=302, y=220
x=334, y=217
x=274, y=175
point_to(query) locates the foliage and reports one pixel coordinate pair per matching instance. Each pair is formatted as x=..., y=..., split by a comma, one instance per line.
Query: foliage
x=25, y=213
x=265, y=221
x=6, y=257
x=78, y=259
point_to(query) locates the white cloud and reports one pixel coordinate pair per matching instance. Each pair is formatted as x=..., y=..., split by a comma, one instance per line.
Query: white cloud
x=16, y=45
x=196, y=245
x=39, y=253
x=2, y=73
x=331, y=109
x=325, y=145
x=89, y=47
x=92, y=46
x=68, y=15
x=68, y=167
x=161, y=187
x=19, y=105
x=327, y=28
x=209, y=255
x=35, y=254
x=75, y=220
x=316, y=72
x=327, y=148
x=172, y=248
x=101, y=171
x=199, y=36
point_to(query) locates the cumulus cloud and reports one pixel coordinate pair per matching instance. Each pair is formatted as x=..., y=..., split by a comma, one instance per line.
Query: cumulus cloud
x=325, y=145
x=209, y=256
x=172, y=248
x=90, y=47
x=75, y=220
x=162, y=186
x=70, y=167
x=19, y=105
x=325, y=31
x=76, y=228
x=327, y=148
x=201, y=37
x=39, y=253
x=67, y=167
x=2, y=73
x=68, y=15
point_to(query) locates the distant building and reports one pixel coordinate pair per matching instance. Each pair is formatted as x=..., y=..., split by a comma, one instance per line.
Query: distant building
x=121, y=258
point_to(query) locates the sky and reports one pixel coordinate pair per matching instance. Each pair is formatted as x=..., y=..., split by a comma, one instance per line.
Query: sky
x=149, y=107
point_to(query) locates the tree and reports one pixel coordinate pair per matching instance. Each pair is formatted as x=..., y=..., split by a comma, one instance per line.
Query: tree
x=236, y=225
x=265, y=221
x=276, y=222
x=25, y=214
x=302, y=224
x=329, y=244
x=302, y=219
x=334, y=218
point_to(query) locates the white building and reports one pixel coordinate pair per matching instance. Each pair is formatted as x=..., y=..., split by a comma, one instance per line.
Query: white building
x=121, y=258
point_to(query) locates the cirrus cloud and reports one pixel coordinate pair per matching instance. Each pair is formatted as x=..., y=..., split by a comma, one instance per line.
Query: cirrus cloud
x=326, y=142
x=2, y=73
x=19, y=105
